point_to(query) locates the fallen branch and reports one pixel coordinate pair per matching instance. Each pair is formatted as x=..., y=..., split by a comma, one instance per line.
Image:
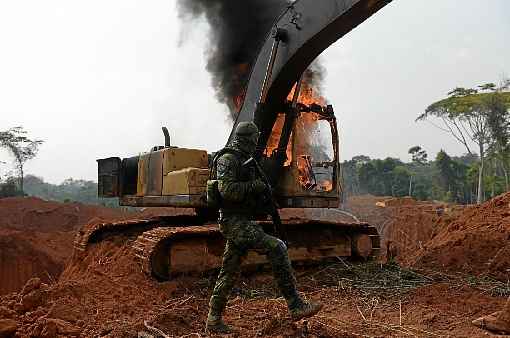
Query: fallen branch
x=361, y=313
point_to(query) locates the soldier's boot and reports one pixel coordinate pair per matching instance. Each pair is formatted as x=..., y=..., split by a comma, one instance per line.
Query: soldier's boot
x=214, y=322
x=282, y=270
x=497, y=322
x=305, y=310
x=217, y=326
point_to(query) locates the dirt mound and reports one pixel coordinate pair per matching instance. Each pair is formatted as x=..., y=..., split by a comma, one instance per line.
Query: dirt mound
x=103, y=291
x=99, y=293
x=47, y=216
x=404, y=224
x=476, y=242
x=20, y=260
x=36, y=237
x=396, y=201
x=366, y=209
x=410, y=227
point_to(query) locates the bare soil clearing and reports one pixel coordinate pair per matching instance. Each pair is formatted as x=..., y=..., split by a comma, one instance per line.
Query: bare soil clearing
x=36, y=236
x=104, y=293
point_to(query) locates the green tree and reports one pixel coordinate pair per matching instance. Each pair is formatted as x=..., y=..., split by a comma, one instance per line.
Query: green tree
x=401, y=176
x=388, y=177
x=466, y=115
x=21, y=147
x=498, y=109
x=8, y=188
x=419, y=157
x=452, y=179
x=351, y=185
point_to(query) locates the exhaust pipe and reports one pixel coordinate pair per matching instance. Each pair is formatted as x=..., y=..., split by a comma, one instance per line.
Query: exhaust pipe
x=167, y=137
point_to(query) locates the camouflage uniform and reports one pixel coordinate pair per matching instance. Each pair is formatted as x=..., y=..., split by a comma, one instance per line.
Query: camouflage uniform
x=238, y=188
x=241, y=192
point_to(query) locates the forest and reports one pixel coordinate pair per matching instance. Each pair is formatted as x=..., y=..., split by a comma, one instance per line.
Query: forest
x=446, y=178
x=479, y=119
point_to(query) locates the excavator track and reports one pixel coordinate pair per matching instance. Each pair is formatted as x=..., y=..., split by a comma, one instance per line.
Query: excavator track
x=171, y=246
x=96, y=232
x=159, y=250
x=164, y=252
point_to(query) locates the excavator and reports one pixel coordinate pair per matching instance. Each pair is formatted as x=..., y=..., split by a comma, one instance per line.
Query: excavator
x=298, y=150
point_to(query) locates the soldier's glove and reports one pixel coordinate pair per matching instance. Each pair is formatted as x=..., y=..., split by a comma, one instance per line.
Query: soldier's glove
x=258, y=186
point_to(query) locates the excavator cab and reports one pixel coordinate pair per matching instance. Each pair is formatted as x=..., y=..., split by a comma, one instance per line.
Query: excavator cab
x=310, y=173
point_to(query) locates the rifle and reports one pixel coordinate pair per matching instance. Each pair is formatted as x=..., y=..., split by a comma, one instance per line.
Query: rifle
x=279, y=228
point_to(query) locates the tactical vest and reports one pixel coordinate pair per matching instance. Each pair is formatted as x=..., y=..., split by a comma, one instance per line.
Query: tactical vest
x=214, y=199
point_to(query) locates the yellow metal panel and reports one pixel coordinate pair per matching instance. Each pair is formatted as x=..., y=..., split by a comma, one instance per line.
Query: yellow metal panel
x=142, y=175
x=180, y=158
x=190, y=181
x=154, y=179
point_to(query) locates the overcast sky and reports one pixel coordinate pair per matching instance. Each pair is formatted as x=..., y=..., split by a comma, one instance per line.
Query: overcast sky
x=97, y=78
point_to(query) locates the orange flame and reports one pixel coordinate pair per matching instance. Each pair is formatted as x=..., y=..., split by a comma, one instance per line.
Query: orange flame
x=240, y=74
x=305, y=124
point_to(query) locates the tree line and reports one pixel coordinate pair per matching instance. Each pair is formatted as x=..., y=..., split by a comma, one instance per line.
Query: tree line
x=479, y=119
x=70, y=190
x=445, y=178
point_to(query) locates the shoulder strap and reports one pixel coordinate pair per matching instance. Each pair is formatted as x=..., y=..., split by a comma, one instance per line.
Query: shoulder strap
x=221, y=152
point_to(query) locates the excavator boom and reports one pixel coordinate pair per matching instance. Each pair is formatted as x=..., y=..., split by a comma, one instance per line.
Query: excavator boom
x=306, y=28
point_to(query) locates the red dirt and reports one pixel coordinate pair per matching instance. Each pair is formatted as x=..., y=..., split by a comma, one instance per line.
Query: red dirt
x=404, y=224
x=36, y=237
x=471, y=240
x=474, y=243
x=104, y=293
x=364, y=207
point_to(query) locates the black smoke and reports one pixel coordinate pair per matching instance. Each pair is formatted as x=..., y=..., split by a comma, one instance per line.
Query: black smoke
x=237, y=30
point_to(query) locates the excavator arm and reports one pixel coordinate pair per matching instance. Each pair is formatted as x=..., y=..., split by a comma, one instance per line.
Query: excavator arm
x=303, y=31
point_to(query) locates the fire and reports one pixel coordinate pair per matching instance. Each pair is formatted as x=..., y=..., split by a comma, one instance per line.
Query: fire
x=306, y=176
x=305, y=127
x=238, y=101
x=303, y=155
x=240, y=73
x=327, y=185
x=307, y=95
x=274, y=138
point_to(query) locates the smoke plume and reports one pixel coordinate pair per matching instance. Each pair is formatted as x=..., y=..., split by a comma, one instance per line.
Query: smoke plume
x=237, y=30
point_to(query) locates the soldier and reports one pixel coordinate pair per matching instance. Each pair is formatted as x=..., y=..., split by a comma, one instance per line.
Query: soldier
x=497, y=322
x=240, y=190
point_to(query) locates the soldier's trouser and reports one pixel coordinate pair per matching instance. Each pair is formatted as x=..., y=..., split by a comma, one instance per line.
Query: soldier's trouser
x=249, y=236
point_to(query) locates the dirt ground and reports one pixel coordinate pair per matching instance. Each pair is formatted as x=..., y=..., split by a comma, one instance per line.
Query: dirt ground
x=104, y=293
x=36, y=237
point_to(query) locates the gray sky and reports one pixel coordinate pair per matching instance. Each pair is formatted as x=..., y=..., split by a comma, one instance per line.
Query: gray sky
x=99, y=78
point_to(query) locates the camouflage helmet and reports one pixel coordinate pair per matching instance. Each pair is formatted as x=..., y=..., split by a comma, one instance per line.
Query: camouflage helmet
x=246, y=129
